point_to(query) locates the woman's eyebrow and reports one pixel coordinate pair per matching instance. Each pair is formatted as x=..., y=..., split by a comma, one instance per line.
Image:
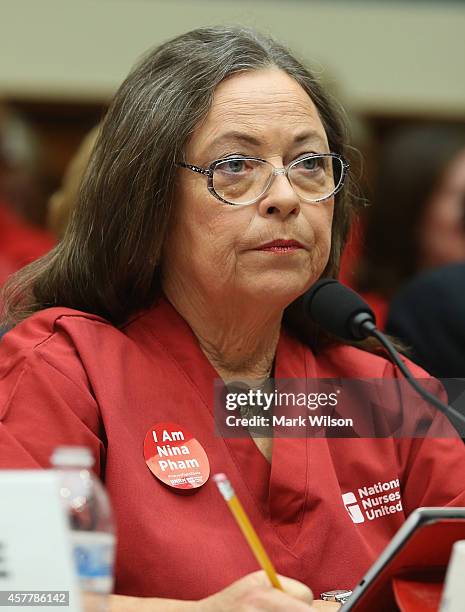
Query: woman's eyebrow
x=310, y=136
x=235, y=136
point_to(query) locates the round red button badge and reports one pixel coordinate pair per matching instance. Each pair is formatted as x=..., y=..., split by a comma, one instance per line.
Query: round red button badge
x=175, y=457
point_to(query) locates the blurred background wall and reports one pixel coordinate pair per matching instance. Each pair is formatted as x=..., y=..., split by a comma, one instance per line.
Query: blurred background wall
x=387, y=56
x=61, y=60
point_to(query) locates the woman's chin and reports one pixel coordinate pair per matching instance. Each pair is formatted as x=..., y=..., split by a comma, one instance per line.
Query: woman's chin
x=275, y=290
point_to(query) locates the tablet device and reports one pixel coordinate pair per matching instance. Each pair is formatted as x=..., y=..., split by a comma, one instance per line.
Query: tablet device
x=421, y=547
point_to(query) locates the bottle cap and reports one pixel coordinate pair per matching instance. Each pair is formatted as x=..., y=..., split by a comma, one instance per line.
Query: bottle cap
x=72, y=456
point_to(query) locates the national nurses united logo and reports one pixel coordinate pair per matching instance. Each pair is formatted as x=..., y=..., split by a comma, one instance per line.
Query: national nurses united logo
x=374, y=501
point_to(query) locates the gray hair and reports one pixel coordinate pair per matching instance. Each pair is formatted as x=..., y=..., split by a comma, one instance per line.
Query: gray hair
x=108, y=262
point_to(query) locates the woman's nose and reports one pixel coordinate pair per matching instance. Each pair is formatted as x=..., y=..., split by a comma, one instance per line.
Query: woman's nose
x=280, y=199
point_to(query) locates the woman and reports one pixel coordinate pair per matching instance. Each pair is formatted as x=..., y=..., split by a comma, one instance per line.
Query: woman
x=184, y=262
x=419, y=195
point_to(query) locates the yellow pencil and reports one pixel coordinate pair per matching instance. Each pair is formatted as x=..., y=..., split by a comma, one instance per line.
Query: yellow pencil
x=246, y=527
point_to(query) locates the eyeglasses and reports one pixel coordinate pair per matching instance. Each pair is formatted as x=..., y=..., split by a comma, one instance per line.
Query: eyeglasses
x=239, y=180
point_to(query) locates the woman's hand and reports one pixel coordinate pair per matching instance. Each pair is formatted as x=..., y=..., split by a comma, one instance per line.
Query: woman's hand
x=319, y=604
x=254, y=593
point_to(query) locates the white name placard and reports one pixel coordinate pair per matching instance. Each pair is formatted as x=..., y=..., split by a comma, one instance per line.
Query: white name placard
x=36, y=566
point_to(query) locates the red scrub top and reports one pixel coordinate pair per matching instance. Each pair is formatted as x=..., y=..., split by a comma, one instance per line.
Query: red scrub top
x=67, y=377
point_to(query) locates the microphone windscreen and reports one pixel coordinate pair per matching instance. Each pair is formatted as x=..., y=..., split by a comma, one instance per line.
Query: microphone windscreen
x=334, y=306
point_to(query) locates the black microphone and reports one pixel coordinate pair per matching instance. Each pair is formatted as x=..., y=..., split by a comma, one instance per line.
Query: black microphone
x=343, y=313
x=339, y=310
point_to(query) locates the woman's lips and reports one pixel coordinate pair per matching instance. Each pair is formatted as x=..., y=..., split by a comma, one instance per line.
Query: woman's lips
x=280, y=246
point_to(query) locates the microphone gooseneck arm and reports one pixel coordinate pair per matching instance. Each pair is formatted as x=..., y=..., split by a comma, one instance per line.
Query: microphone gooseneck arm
x=429, y=397
x=345, y=314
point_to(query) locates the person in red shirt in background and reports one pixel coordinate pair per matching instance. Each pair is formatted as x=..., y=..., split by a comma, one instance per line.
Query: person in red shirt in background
x=21, y=242
x=417, y=218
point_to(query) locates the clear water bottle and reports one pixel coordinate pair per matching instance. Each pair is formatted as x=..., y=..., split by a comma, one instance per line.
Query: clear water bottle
x=91, y=522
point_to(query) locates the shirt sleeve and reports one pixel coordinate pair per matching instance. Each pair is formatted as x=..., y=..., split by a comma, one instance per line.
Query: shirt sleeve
x=435, y=474
x=42, y=407
x=432, y=465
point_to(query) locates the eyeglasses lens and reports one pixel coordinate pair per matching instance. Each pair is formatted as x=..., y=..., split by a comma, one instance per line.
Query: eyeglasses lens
x=241, y=181
x=315, y=178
